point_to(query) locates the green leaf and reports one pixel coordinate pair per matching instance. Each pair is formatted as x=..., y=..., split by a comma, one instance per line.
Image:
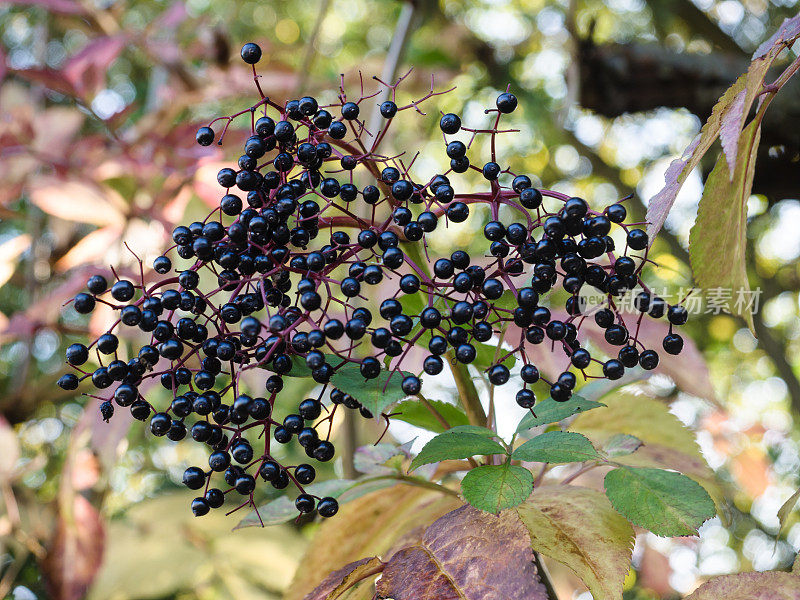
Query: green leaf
x=476, y=429
x=718, y=238
x=415, y=413
x=300, y=369
x=578, y=527
x=556, y=447
x=451, y=446
x=550, y=411
x=485, y=357
x=374, y=394
x=667, y=503
x=786, y=509
x=621, y=444
x=668, y=443
x=495, y=487
x=282, y=509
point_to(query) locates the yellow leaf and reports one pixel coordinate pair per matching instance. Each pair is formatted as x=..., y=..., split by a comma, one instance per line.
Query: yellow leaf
x=578, y=527
x=718, y=237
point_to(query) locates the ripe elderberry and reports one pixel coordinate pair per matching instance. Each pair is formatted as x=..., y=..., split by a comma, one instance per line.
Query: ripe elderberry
x=287, y=271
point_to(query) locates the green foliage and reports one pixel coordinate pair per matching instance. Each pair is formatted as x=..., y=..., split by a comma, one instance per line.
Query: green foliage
x=556, y=447
x=549, y=411
x=493, y=488
x=374, y=394
x=665, y=502
x=452, y=446
x=416, y=413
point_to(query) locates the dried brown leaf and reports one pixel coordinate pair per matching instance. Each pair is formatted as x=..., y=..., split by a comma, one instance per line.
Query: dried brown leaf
x=338, y=582
x=368, y=526
x=465, y=555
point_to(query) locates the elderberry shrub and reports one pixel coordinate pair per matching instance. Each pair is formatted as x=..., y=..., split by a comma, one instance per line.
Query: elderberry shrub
x=286, y=261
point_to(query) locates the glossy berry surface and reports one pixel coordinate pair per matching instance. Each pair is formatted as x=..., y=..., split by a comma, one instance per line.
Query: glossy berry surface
x=318, y=263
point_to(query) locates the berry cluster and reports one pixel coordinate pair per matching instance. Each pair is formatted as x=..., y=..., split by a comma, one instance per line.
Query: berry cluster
x=313, y=219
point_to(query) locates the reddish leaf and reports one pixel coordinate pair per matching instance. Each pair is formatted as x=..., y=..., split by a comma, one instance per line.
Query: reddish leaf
x=3, y=67
x=342, y=579
x=86, y=70
x=465, y=555
x=726, y=121
x=75, y=552
x=788, y=31
x=173, y=16
x=50, y=78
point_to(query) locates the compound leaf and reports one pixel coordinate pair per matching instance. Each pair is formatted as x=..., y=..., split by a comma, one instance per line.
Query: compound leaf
x=416, y=413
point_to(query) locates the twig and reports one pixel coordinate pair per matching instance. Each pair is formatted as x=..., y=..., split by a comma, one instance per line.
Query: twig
x=308, y=57
x=397, y=48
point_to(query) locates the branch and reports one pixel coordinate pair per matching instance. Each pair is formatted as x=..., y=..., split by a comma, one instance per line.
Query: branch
x=467, y=393
x=402, y=32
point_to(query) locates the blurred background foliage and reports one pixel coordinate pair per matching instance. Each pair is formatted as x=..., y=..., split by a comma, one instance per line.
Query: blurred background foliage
x=98, y=107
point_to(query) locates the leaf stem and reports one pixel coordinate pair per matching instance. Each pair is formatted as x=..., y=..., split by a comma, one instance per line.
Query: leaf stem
x=468, y=393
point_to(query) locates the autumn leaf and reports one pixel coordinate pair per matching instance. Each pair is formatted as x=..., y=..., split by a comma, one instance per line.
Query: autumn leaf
x=726, y=121
x=786, y=508
x=465, y=555
x=718, y=238
x=335, y=584
x=87, y=69
x=368, y=526
x=579, y=528
x=750, y=586
x=77, y=201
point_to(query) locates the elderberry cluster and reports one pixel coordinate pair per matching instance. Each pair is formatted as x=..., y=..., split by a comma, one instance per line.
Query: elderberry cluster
x=316, y=221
